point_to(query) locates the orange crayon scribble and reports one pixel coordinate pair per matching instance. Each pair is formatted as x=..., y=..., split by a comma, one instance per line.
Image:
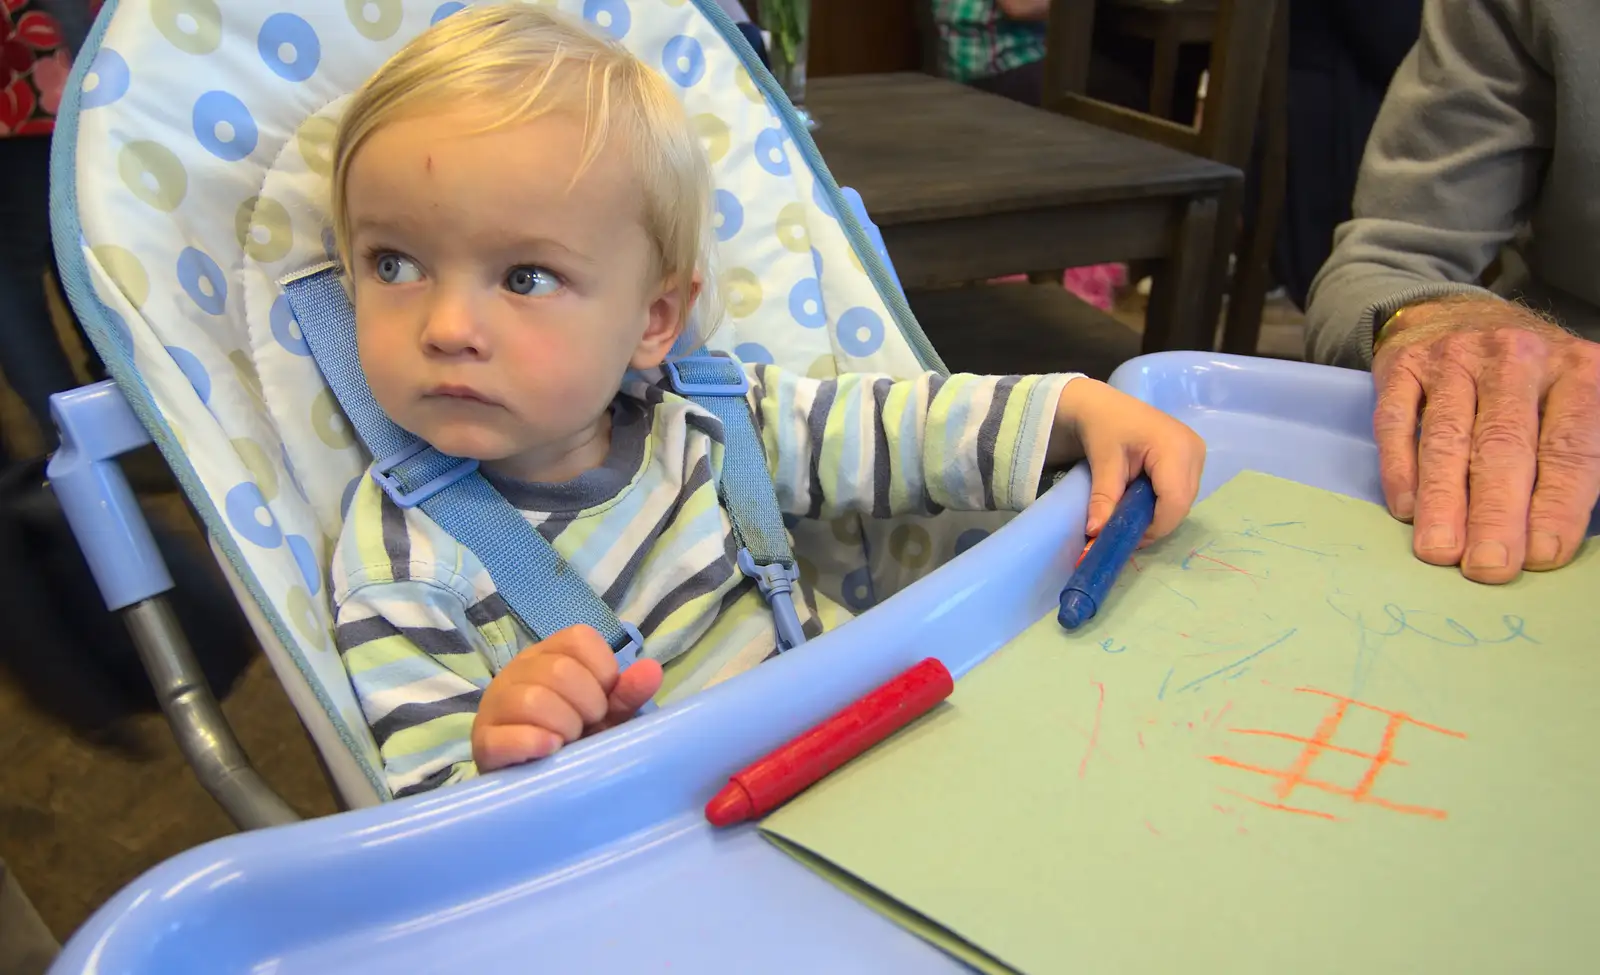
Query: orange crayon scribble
x=1094, y=735
x=1323, y=746
x=1297, y=776
x=1281, y=807
x=1229, y=566
x=1151, y=828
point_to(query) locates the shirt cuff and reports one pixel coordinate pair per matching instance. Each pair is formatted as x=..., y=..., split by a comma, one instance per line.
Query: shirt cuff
x=1020, y=486
x=1375, y=314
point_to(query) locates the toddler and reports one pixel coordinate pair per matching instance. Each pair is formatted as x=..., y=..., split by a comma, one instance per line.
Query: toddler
x=523, y=212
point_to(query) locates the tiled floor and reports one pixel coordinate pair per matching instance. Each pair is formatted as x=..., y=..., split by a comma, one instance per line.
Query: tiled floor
x=78, y=820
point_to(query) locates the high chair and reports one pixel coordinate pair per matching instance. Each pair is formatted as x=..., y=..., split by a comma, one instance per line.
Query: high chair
x=190, y=178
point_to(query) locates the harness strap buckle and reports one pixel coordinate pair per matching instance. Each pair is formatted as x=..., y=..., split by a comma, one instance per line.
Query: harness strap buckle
x=776, y=583
x=436, y=472
x=708, y=375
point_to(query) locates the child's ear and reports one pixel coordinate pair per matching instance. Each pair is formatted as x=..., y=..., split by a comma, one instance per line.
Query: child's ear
x=669, y=316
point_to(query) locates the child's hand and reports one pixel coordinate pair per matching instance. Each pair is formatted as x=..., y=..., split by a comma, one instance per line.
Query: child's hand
x=1121, y=437
x=554, y=692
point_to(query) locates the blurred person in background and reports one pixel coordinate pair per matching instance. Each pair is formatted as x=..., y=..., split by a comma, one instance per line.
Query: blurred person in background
x=37, y=38
x=999, y=46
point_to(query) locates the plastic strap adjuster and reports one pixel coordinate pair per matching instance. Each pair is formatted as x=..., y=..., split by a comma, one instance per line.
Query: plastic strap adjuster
x=384, y=473
x=629, y=651
x=776, y=582
x=721, y=364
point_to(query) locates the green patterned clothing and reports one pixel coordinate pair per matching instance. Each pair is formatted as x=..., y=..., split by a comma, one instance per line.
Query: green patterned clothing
x=976, y=40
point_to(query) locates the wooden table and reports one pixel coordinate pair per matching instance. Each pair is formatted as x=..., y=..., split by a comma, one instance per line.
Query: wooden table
x=966, y=186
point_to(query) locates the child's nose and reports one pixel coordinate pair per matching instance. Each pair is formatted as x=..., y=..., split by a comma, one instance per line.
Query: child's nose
x=453, y=328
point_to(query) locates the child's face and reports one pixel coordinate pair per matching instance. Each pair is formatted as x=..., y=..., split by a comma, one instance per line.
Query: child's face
x=496, y=309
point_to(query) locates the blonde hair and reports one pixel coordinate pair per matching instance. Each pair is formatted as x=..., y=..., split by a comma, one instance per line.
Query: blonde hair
x=514, y=62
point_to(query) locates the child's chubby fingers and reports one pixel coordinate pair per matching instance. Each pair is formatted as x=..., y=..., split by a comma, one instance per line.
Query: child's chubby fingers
x=572, y=680
x=1175, y=475
x=529, y=703
x=499, y=746
x=584, y=645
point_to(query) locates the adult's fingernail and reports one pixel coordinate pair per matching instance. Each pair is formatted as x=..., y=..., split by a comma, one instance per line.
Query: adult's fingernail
x=1438, y=537
x=1405, y=505
x=1544, y=548
x=1488, y=555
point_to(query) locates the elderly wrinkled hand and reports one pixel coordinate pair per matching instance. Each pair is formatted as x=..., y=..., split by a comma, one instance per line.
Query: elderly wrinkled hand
x=1506, y=468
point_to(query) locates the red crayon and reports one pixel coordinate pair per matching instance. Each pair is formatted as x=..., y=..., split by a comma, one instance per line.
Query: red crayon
x=1085, y=553
x=776, y=778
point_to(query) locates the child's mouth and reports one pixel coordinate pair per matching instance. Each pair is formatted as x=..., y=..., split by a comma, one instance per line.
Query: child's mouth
x=454, y=392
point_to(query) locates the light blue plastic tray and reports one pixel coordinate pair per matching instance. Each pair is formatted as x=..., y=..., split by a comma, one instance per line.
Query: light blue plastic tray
x=599, y=860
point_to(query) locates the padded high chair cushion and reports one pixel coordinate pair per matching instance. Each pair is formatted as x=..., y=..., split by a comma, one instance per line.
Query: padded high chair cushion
x=201, y=134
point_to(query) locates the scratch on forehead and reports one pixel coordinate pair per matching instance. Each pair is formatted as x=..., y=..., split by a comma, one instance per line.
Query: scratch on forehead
x=430, y=162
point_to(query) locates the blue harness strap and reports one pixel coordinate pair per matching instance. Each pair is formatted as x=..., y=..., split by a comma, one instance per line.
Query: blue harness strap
x=718, y=385
x=544, y=592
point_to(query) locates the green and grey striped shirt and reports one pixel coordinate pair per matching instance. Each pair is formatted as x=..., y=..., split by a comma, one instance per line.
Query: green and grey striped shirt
x=422, y=629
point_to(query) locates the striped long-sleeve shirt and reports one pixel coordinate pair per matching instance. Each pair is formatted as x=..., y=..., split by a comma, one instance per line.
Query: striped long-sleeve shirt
x=422, y=629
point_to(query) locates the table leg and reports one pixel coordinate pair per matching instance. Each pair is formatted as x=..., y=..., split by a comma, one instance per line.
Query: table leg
x=1186, y=293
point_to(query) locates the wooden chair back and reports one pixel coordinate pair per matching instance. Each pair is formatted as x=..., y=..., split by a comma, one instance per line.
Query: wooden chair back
x=1240, y=51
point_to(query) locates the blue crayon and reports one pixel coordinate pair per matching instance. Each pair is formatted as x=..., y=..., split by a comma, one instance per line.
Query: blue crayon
x=1106, y=554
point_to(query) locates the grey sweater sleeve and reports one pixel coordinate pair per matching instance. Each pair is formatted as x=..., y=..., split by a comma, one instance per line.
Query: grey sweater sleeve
x=1451, y=171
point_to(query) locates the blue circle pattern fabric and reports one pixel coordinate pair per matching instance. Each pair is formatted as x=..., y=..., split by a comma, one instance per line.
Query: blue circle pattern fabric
x=204, y=149
x=224, y=126
x=202, y=280
x=107, y=80
x=289, y=46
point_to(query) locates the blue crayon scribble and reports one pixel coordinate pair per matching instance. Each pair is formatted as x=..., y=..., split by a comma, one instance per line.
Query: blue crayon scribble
x=1194, y=684
x=1180, y=595
x=1456, y=634
x=1260, y=533
x=1106, y=646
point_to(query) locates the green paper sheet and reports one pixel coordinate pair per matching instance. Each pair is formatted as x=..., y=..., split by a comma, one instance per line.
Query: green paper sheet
x=1283, y=745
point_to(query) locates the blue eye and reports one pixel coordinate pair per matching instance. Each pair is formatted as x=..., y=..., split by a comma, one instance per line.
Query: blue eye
x=526, y=280
x=392, y=268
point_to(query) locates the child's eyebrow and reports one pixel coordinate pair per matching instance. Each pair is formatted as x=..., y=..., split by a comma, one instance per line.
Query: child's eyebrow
x=510, y=243
x=518, y=243
x=379, y=225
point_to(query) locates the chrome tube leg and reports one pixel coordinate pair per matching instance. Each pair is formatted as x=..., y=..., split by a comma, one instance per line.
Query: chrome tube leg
x=202, y=731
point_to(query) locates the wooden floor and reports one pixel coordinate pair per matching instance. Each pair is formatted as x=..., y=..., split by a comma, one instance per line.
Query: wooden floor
x=79, y=819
